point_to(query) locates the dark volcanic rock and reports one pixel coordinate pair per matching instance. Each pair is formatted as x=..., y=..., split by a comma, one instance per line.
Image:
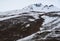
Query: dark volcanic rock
x=19, y=27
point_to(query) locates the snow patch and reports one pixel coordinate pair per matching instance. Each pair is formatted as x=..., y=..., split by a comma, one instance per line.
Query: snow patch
x=27, y=25
x=31, y=19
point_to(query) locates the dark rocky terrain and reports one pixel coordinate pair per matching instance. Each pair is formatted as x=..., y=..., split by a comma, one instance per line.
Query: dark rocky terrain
x=19, y=27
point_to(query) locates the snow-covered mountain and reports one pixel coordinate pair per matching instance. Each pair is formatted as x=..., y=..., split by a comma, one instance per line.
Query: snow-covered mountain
x=28, y=21
x=42, y=8
x=34, y=7
x=37, y=8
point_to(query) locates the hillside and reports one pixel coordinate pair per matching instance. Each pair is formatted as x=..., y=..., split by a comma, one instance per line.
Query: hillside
x=41, y=20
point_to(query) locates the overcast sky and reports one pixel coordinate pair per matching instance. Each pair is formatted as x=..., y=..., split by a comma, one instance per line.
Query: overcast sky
x=7, y=5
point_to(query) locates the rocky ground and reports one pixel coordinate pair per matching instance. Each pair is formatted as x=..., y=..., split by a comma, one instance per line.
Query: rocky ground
x=48, y=25
x=19, y=27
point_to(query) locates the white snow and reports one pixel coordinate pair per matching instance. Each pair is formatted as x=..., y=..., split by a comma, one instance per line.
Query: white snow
x=27, y=25
x=55, y=26
x=28, y=38
x=48, y=19
x=5, y=18
x=31, y=19
x=42, y=8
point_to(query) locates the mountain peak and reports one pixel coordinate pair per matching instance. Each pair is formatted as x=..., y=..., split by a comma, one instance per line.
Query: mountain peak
x=38, y=5
x=42, y=8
